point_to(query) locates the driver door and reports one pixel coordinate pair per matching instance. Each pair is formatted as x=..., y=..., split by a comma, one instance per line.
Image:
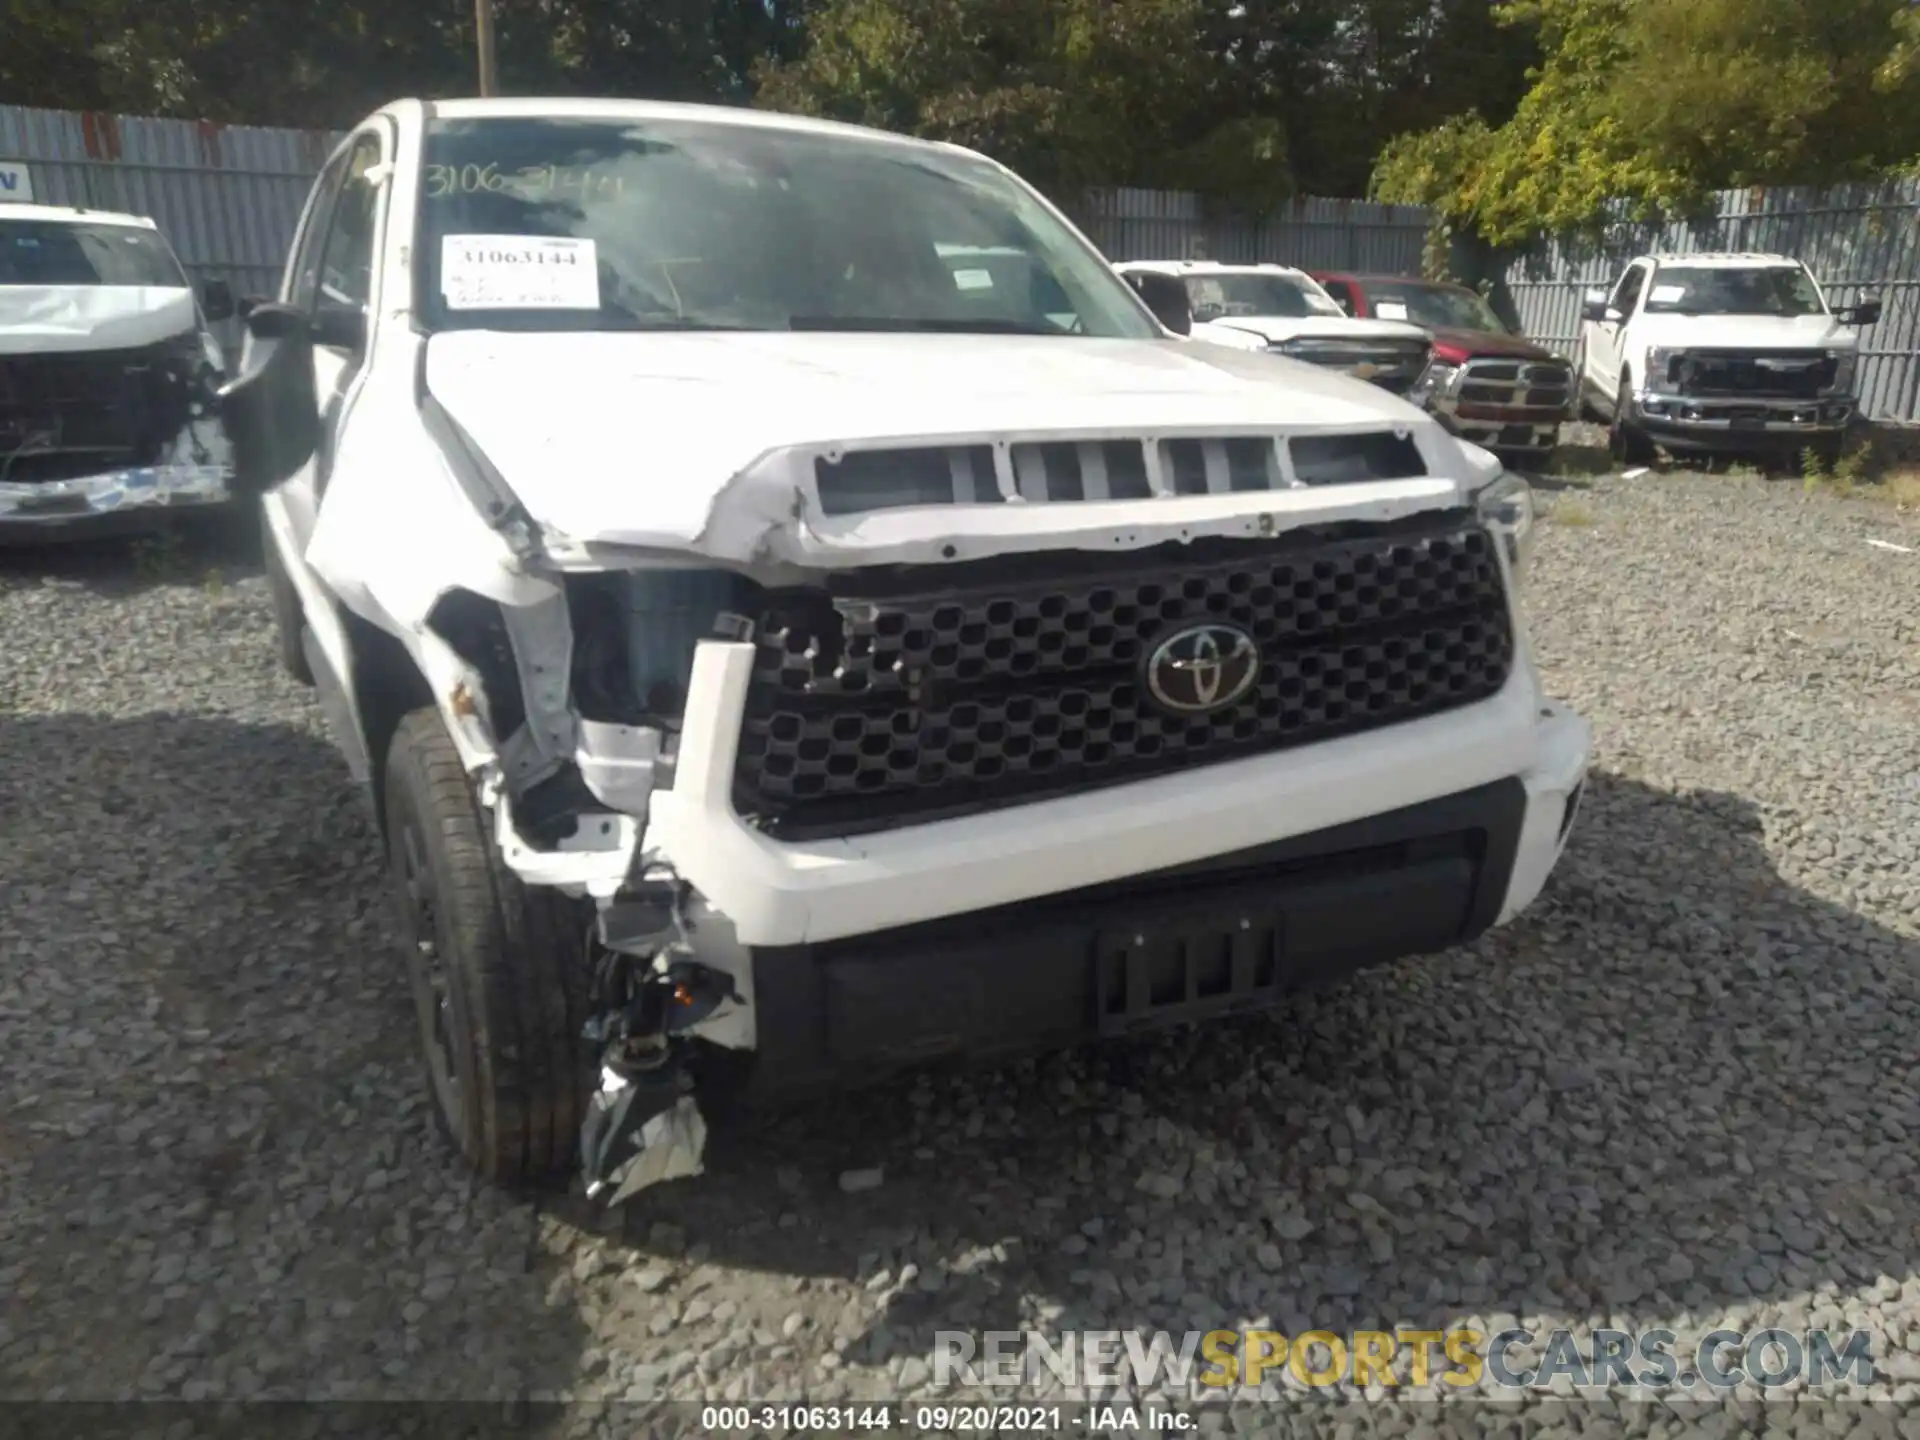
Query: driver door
x=331, y=279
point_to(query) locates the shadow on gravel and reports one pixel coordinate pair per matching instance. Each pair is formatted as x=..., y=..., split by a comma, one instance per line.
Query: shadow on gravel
x=1674, y=1086
x=217, y=1177
x=1669, y=1088
x=201, y=550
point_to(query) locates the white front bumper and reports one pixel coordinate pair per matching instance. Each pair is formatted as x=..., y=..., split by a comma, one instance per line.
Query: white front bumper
x=1558, y=774
x=777, y=893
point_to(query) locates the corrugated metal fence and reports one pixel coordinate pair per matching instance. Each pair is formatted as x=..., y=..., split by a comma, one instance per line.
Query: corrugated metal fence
x=229, y=197
x=1311, y=233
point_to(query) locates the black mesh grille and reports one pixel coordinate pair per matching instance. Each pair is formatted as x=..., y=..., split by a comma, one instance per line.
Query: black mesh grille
x=1792, y=374
x=882, y=704
x=77, y=413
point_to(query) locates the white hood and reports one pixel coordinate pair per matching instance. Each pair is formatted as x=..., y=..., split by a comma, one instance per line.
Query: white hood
x=631, y=438
x=40, y=318
x=1274, y=328
x=1745, y=332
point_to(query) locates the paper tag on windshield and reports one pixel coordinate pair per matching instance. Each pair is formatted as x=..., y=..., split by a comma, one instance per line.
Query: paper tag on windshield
x=1666, y=294
x=973, y=279
x=1390, y=310
x=519, y=272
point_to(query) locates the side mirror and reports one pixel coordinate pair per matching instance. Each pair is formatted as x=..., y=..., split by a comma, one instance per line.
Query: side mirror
x=249, y=303
x=1593, y=305
x=341, y=327
x=1166, y=297
x=1867, y=312
x=270, y=412
x=216, y=301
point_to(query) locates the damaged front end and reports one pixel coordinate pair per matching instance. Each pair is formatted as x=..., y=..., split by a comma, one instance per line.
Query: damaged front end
x=88, y=436
x=704, y=736
x=586, y=691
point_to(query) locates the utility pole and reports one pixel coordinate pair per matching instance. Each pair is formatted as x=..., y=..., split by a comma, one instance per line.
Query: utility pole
x=483, y=33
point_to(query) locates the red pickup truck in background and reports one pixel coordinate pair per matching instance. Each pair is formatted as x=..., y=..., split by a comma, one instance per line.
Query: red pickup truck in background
x=1484, y=382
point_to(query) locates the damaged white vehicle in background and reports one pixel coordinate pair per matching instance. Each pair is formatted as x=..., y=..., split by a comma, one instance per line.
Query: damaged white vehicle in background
x=107, y=376
x=777, y=650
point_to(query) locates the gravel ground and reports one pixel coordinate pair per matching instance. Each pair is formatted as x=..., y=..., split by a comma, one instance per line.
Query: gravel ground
x=1681, y=1092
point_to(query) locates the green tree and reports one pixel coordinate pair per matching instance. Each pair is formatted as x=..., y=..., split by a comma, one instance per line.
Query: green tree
x=1656, y=104
x=1244, y=100
x=1068, y=92
x=290, y=62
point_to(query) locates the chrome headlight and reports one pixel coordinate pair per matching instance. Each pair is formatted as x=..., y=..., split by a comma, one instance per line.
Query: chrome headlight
x=1505, y=505
x=1846, y=365
x=1660, y=365
x=1438, y=378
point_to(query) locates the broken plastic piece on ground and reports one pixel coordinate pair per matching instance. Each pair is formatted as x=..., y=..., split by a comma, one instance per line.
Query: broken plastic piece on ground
x=1635, y=473
x=1889, y=545
x=671, y=1144
x=640, y=1129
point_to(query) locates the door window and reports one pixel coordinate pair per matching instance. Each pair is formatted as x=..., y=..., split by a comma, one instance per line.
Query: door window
x=1341, y=292
x=345, y=279
x=1627, y=293
x=305, y=269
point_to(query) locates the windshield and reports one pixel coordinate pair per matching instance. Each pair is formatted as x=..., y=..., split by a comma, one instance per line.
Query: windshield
x=57, y=252
x=1717, y=290
x=1438, y=307
x=1217, y=296
x=556, y=224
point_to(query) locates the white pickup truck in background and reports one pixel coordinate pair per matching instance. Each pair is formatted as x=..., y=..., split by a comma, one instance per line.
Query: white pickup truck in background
x=1283, y=311
x=1720, y=354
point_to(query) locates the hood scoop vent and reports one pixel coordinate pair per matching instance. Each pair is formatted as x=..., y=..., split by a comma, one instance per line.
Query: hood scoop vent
x=857, y=482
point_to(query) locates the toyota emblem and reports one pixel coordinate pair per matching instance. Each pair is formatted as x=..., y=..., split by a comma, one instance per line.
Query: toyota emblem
x=1202, y=668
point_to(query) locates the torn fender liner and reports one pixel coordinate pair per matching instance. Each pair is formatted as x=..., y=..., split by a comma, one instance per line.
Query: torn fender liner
x=640, y=1129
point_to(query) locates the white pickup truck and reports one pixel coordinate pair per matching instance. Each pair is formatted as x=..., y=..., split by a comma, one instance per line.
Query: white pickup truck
x=1720, y=354
x=1285, y=311
x=795, y=611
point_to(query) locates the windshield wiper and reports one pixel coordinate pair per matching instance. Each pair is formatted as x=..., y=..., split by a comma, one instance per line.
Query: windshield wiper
x=927, y=325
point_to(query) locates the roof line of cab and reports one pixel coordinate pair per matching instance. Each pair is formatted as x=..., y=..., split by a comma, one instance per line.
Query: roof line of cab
x=72, y=215
x=1212, y=267
x=1742, y=257
x=565, y=107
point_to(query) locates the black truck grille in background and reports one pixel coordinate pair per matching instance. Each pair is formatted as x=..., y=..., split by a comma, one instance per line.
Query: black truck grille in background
x=78, y=413
x=1783, y=374
x=1543, y=384
x=889, y=701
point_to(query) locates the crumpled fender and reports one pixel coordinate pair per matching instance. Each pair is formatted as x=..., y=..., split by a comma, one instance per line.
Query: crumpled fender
x=397, y=531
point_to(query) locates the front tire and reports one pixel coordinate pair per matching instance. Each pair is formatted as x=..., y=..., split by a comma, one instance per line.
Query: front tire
x=1625, y=443
x=497, y=969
